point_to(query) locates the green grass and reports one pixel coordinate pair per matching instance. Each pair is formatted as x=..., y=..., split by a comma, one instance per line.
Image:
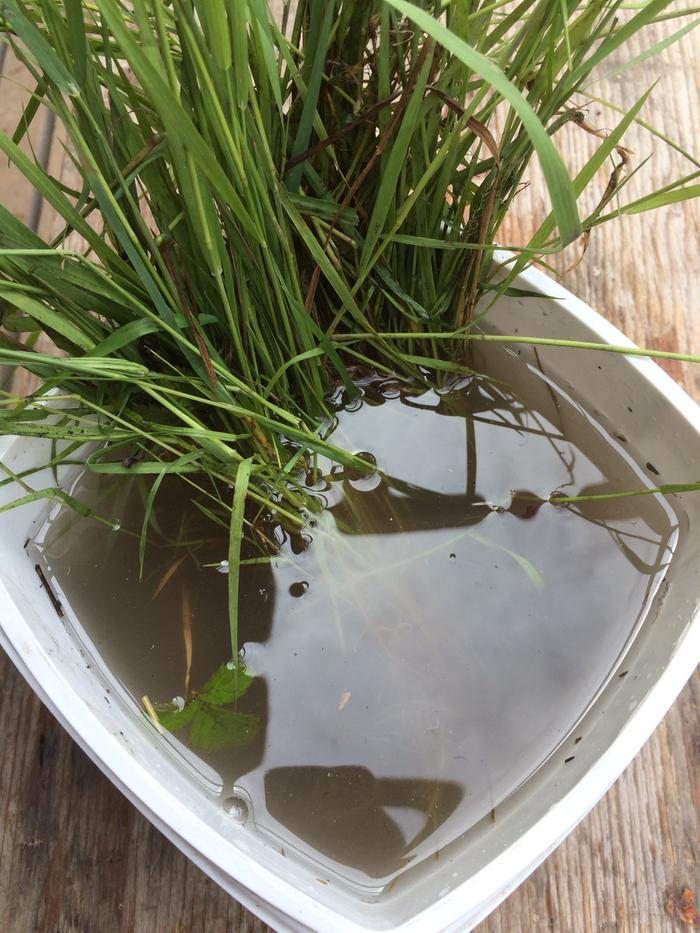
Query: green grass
x=267, y=205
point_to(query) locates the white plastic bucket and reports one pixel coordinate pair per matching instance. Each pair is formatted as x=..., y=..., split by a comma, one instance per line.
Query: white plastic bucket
x=662, y=425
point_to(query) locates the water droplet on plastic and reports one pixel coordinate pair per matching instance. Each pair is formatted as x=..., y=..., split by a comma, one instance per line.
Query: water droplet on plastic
x=453, y=557
x=237, y=808
x=299, y=588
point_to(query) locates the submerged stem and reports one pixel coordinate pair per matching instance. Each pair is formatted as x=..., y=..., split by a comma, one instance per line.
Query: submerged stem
x=234, y=549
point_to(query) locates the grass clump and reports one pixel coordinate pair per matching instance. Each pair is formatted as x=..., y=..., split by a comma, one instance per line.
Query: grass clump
x=267, y=201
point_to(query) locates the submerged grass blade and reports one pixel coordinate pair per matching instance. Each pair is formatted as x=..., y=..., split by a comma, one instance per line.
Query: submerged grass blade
x=143, y=537
x=234, y=549
x=527, y=567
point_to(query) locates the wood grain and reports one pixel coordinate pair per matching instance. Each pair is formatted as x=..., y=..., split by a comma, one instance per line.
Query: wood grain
x=15, y=91
x=76, y=857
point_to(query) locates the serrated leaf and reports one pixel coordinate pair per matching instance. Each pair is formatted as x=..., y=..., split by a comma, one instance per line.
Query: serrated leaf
x=214, y=728
x=174, y=719
x=226, y=685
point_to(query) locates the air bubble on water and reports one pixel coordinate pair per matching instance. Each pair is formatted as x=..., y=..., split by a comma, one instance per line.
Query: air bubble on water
x=367, y=458
x=231, y=665
x=300, y=543
x=390, y=390
x=455, y=385
x=178, y=703
x=237, y=808
x=366, y=483
x=316, y=481
x=336, y=399
x=222, y=567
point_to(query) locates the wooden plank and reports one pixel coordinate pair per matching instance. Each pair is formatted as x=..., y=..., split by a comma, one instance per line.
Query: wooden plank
x=76, y=856
x=642, y=841
x=14, y=93
x=16, y=87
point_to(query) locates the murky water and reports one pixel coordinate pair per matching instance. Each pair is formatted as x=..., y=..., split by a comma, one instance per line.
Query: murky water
x=418, y=652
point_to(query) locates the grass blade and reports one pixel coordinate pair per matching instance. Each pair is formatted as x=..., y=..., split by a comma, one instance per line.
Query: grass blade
x=42, y=52
x=555, y=173
x=234, y=549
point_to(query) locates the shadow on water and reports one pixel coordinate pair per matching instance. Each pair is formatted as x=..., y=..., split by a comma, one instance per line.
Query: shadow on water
x=396, y=507
x=352, y=639
x=353, y=817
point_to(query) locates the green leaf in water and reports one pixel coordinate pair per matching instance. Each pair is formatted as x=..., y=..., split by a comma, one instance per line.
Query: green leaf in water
x=213, y=726
x=226, y=685
x=174, y=719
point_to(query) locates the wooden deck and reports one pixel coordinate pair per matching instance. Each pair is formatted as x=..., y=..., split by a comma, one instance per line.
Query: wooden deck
x=76, y=857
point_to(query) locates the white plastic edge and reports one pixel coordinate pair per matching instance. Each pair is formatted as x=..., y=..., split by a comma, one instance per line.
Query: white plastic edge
x=486, y=889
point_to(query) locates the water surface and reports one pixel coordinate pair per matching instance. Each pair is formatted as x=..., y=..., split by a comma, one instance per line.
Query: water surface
x=425, y=644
